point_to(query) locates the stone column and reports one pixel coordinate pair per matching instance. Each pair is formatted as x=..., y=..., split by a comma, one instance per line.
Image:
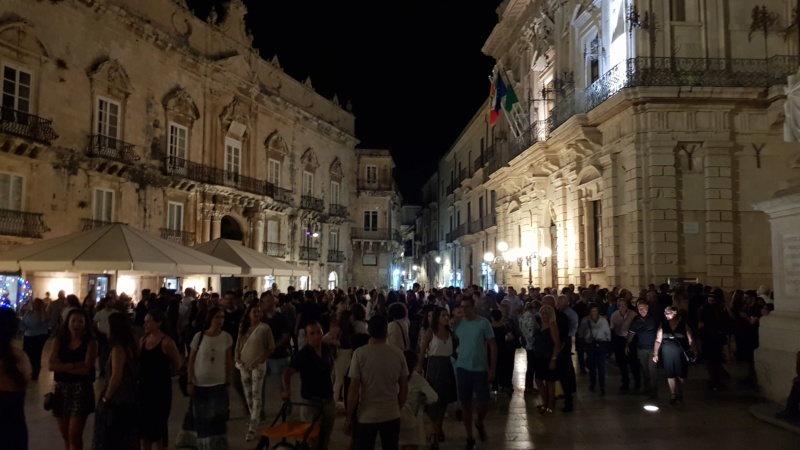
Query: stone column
x=779, y=333
x=216, y=225
x=258, y=234
x=611, y=245
x=719, y=214
x=206, y=230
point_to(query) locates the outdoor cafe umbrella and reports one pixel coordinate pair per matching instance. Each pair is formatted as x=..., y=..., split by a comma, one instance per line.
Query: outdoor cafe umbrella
x=252, y=262
x=115, y=247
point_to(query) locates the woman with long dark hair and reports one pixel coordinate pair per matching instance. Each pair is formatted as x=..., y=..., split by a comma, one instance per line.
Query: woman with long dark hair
x=15, y=371
x=36, y=326
x=72, y=361
x=115, y=425
x=437, y=347
x=253, y=348
x=210, y=371
x=158, y=361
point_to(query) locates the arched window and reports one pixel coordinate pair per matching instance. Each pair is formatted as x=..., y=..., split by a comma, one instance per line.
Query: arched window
x=332, y=277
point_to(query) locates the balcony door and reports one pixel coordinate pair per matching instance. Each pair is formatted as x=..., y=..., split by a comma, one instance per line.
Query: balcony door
x=175, y=216
x=233, y=161
x=108, y=121
x=335, y=189
x=308, y=183
x=103, y=208
x=176, y=148
x=10, y=192
x=333, y=241
x=16, y=92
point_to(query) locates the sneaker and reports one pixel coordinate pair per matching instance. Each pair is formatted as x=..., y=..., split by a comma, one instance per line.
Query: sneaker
x=481, y=432
x=470, y=444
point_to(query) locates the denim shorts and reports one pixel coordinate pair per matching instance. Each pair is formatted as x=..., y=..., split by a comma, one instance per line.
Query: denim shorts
x=470, y=383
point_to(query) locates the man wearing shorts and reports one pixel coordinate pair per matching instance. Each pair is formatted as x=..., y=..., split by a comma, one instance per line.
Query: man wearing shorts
x=474, y=368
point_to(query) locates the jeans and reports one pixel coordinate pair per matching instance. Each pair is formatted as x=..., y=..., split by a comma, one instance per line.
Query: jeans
x=597, y=365
x=253, y=383
x=530, y=372
x=307, y=414
x=624, y=362
x=32, y=346
x=272, y=376
x=648, y=368
x=365, y=434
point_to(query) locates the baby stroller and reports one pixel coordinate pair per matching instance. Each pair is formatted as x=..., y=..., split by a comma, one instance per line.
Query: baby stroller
x=289, y=433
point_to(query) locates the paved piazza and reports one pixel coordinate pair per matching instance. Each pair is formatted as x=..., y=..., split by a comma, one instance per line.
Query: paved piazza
x=706, y=420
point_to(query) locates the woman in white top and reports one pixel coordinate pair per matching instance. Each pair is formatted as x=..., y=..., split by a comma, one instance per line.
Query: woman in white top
x=594, y=330
x=253, y=348
x=437, y=346
x=210, y=371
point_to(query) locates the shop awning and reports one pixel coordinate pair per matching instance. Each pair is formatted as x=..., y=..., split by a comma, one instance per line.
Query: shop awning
x=252, y=262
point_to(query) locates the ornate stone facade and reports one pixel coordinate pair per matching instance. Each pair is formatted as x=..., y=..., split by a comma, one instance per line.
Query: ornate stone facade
x=172, y=125
x=644, y=135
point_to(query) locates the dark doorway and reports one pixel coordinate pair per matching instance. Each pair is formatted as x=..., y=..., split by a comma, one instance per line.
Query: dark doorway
x=230, y=229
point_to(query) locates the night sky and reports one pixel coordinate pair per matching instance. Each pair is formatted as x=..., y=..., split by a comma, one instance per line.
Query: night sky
x=413, y=69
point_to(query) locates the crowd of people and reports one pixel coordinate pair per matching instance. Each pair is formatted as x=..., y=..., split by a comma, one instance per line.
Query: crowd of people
x=385, y=360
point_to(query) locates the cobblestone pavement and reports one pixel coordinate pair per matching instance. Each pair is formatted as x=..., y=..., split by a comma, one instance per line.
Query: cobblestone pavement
x=706, y=420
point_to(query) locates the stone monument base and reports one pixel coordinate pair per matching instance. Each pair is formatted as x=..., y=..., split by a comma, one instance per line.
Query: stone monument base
x=779, y=332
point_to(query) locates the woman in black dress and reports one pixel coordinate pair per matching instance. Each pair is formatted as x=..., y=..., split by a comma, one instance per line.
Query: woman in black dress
x=15, y=372
x=545, y=353
x=675, y=341
x=72, y=361
x=158, y=361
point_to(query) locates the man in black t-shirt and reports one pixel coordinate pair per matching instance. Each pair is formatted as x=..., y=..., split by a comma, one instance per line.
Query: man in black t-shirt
x=645, y=329
x=314, y=363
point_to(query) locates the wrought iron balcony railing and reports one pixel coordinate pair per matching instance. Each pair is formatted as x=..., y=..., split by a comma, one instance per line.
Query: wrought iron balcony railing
x=488, y=221
x=309, y=253
x=26, y=125
x=186, y=238
x=312, y=203
x=21, y=224
x=210, y=175
x=694, y=72
x=337, y=210
x=432, y=246
x=364, y=185
x=477, y=164
x=276, y=249
x=539, y=131
x=460, y=230
x=113, y=149
x=448, y=238
x=335, y=256
x=475, y=226
x=377, y=234
x=90, y=224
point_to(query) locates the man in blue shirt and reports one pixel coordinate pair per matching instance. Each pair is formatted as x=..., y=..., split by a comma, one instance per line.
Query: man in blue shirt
x=474, y=368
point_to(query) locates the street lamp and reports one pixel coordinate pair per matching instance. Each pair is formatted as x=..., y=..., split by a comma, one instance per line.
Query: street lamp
x=438, y=259
x=502, y=246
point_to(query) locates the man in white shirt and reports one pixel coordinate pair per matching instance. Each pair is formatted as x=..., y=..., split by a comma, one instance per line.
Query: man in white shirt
x=380, y=387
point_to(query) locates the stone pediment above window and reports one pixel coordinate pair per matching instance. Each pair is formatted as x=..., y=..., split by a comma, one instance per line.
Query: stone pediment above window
x=336, y=169
x=235, y=118
x=109, y=77
x=276, y=147
x=179, y=104
x=19, y=33
x=309, y=159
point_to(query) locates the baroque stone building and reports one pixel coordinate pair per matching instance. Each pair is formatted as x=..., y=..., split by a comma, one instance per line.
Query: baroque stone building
x=139, y=112
x=377, y=242
x=645, y=133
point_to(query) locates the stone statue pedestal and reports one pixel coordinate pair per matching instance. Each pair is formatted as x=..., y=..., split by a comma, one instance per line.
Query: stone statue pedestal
x=779, y=332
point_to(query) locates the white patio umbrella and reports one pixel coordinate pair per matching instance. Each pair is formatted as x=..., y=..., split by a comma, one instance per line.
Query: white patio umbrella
x=115, y=247
x=252, y=262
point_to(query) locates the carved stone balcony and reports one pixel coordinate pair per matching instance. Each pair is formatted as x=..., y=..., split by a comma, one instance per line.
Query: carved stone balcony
x=275, y=249
x=185, y=238
x=337, y=210
x=21, y=224
x=335, y=256
x=312, y=203
x=26, y=126
x=378, y=234
x=111, y=149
